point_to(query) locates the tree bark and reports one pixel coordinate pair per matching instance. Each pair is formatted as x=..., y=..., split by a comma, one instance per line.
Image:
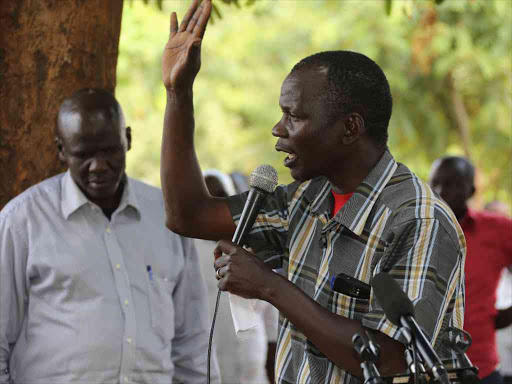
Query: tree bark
x=48, y=50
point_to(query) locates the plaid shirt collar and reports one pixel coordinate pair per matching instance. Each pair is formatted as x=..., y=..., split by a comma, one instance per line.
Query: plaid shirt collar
x=355, y=212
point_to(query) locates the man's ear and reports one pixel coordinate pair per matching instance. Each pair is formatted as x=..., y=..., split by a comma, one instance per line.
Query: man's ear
x=354, y=128
x=129, y=137
x=60, y=149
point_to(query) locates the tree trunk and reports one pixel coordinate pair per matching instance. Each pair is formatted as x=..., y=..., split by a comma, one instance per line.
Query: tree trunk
x=48, y=50
x=460, y=115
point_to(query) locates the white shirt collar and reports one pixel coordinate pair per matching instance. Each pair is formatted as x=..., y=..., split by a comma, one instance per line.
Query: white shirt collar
x=73, y=198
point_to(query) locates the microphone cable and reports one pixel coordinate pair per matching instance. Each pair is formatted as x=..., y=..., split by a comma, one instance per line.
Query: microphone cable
x=210, y=341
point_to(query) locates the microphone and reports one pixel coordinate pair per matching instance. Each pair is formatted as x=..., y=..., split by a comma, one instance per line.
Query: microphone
x=263, y=181
x=399, y=309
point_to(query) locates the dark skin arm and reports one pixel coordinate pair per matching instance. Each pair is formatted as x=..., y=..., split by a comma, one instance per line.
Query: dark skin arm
x=503, y=318
x=245, y=275
x=190, y=210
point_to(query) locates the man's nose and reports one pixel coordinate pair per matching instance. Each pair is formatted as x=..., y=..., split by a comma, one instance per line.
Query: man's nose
x=279, y=130
x=98, y=164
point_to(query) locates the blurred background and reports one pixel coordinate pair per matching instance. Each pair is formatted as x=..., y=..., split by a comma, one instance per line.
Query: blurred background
x=449, y=66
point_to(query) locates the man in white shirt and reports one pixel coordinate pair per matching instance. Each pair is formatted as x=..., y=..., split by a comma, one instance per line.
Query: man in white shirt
x=93, y=287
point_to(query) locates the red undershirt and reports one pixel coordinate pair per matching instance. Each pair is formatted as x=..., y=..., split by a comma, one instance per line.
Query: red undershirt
x=339, y=201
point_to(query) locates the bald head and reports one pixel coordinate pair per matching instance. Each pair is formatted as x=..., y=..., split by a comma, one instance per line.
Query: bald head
x=92, y=103
x=453, y=178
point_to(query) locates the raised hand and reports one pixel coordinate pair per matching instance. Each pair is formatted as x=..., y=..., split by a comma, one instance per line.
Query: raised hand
x=181, y=58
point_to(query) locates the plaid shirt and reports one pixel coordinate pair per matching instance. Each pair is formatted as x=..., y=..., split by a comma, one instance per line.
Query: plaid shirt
x=393, y=222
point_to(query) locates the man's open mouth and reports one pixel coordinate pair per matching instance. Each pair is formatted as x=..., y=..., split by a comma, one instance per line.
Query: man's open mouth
x=290, y=159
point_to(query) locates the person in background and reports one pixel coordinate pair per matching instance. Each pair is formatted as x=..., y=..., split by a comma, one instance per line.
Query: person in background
x=503, y=301
x=93, y=287
x=244, y=359
x=489, y=252
x=352, y=209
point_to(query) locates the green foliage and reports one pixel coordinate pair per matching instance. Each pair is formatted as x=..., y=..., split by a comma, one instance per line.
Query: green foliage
x=430, y=53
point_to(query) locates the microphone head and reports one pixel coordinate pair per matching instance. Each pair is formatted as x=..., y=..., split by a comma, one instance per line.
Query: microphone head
x=394, y=301
x=264, y=177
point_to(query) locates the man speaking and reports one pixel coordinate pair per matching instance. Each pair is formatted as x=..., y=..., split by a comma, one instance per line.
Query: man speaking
x=352, y=209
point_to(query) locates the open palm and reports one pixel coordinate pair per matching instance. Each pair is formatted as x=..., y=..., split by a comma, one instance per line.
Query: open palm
x=181, y=58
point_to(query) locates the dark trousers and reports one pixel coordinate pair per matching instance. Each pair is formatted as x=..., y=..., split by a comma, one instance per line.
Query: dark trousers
x=493, y=378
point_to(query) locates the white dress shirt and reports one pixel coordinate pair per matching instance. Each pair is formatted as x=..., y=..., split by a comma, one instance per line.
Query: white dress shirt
x=88, y=300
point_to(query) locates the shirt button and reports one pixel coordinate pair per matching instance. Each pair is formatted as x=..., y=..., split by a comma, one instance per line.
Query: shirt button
x=126, y=379
x=107, y=230
x=129, y=340
x=118, y=266
x=126, y=302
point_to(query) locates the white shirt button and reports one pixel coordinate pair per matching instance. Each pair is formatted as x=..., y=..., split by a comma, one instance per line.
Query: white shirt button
x=118, y=266
x=126, y=302
x=166, y=279
x=126, y=379
x=129, y=340
x=107, y=230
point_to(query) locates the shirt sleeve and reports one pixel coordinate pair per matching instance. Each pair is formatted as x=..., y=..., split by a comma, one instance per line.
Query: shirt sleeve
x=428, y=264
x=13, y=292
x=268, y=236
x=190, y=344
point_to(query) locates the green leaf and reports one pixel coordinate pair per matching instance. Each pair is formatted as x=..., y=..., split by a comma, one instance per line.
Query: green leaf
x=388, y=5
x=216, y=11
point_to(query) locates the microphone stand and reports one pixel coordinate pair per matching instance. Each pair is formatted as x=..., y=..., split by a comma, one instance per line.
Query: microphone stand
x=459, y=341
x=368, y=352
x=413, y=360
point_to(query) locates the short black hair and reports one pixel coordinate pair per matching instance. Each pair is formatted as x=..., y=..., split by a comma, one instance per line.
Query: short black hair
x=89, y=100
x=355, y=83
x=461, y=164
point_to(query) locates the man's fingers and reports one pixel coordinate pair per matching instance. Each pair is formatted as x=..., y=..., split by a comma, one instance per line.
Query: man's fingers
x=174, y=25
x=193, y=21
x=221, y=261
x=202, y=22
x=226, y=247
x=188, y=16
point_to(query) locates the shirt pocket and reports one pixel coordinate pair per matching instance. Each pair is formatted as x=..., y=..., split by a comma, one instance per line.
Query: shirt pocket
x=161, y=306
x=350, y=307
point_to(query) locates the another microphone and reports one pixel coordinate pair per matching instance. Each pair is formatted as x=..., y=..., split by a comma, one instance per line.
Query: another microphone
x=399, y=309
x=263, y=181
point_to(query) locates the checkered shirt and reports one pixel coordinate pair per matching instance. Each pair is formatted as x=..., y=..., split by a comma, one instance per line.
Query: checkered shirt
x=393, y=222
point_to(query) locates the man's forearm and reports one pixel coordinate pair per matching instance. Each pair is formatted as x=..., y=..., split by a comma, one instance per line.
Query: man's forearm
x=503, y=318
x=330, y=333
x=182, y=181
